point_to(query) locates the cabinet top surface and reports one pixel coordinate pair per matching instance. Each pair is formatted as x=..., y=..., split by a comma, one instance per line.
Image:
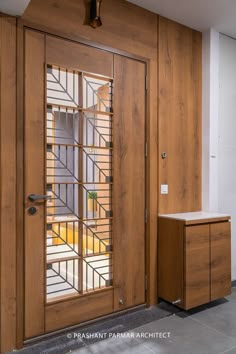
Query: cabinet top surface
x=197, y=216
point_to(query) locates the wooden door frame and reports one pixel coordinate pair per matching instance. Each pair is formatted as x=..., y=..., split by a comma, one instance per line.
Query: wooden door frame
x=151, y=207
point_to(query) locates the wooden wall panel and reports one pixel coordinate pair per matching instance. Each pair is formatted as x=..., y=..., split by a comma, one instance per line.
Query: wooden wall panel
x=125, y=26
x=180, y=116
x=8, y=183
x=129, y=183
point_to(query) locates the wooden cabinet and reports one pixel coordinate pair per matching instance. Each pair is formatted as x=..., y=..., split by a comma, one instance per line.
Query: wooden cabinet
x=194, y=258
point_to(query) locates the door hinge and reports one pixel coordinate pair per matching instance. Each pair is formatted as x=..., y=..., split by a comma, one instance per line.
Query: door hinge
x=146, y=282
x=146, y=149
x=146, y=83
x=146, y=215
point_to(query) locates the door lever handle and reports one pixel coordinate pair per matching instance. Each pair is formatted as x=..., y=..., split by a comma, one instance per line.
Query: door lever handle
x=35, y=197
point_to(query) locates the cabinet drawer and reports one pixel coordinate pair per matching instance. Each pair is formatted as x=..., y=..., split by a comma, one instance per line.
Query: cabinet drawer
x=220, y=246
x=197, y=261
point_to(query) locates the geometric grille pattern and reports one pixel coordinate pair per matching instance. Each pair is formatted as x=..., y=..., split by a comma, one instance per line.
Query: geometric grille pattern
x=79, y=182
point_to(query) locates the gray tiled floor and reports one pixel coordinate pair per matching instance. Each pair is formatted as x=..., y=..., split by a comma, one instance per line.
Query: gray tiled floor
x=210, y=329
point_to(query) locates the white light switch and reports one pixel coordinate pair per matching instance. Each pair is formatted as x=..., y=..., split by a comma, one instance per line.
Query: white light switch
x=164, y=188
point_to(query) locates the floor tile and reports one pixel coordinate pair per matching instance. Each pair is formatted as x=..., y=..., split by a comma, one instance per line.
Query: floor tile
x=57, y=345
x=231, y=351
x=187, y=336
x=232, y=297
x=116, y=346
x=221, y=318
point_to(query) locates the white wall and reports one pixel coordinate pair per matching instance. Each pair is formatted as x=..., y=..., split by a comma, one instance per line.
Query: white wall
x=219, y=129
x=210, y=123
x=227, y=136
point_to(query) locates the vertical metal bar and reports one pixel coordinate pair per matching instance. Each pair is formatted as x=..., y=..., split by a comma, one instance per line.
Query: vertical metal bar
x=100, y=246
x=73, y=85
x=86, y=130
x=66, y=80
x=86, y=240
x=74, y=189
x=86, y=94
x=67, y=232
x=73, y=272
x=93, y=278
x=80, y=174
x=110, y=156
x=93, y=96
x=86, y=201
x=66, y=162
x=67, y=271
x=59, y=232
x=92, y=159
x=93, y=242
x=66, y=185
x=59, y=268
x=73, y=235
x=86, y=276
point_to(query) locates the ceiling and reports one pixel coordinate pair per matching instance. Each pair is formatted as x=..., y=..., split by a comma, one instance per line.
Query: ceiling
x=200, y=15
x=13, y=7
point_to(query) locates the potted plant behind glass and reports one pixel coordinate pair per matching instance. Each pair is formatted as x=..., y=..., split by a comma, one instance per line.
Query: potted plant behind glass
x=92, y=201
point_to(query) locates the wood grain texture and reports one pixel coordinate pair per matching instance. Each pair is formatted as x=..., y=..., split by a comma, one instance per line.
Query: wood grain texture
x=220, y=240
x=129, y=29
x=81, y=57
x=8, y=183
x=197, y=265
x=34, y=162
x=171, y=260
x=180, y=116
x=20, y=188
x=152, y=182
x=121, y=27
x=74, y=311
x=129, y=182
x=194, y=262
x=122, y=30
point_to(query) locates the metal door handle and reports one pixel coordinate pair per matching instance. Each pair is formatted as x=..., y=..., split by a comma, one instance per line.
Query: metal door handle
x=35, y=197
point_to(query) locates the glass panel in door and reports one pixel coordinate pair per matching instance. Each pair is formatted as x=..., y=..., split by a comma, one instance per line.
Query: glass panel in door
x=78, y=182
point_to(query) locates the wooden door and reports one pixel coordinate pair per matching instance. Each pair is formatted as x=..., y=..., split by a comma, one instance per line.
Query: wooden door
x=197, y=266
x=220, y=245
x=84, y=164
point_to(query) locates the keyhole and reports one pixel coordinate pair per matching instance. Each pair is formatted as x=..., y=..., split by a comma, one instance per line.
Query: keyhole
x=32, y=210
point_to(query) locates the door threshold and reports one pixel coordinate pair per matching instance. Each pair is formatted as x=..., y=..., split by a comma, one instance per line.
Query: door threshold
x=84, y=324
